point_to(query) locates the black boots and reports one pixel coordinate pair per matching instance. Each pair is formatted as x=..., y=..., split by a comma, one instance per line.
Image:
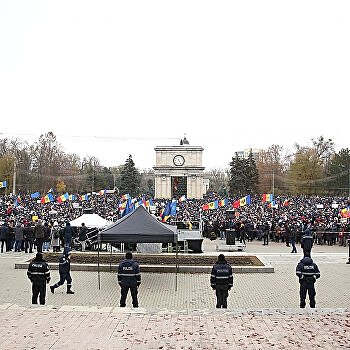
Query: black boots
x=69, y=291
x=52, y=288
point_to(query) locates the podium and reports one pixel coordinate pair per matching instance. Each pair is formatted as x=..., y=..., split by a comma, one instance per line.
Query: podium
x=230, y=237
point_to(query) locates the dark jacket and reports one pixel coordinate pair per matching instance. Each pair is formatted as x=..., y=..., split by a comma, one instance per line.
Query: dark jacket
x=82, y=233
x=64, y=263
x=221, y=275
x=307, y=271
x=307, y=240
x=129, y=273
x=38, y=271
x=39, y=230
x=28, y=233
x=68, y=233
x=4, y=232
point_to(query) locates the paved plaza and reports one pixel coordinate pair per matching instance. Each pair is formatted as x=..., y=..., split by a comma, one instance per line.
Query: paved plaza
x=179, y=312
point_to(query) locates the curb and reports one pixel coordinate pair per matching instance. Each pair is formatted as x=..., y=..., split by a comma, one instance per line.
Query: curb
x=157, y=268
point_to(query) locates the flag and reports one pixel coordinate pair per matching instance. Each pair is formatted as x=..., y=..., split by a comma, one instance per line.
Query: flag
x=17, y=201
x=62, y=198
x=84, y=197
x=214, y=205
x=182, y=198
x=166, y=212
x=273, y=204
x=3, y=184
x=173, y=208
x=237, y=203
x=128, y=208
x=48, y=198
x=223, y=202
x=102, y=192
x=35, y=195
x=72, y=197
x=244, y=201
x=267, y=197
x=285, y=203
x=125, y=196
x=205, y=207
x=345, y=213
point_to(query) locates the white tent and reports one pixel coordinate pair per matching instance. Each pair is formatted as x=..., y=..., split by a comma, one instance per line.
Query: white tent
x=90, y=220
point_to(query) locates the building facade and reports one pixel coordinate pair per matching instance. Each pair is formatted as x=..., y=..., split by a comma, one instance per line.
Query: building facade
x=179, y=171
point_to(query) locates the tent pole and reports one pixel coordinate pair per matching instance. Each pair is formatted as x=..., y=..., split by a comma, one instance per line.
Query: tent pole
x=110, y=260
x=98, y=261
x=176, y=266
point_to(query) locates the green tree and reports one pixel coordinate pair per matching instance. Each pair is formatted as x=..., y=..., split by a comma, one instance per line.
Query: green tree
x=252, y=175
x=237, y=181
x=130, y=178
x=339, y=173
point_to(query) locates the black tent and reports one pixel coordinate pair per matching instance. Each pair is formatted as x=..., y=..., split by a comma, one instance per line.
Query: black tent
x=139, y=226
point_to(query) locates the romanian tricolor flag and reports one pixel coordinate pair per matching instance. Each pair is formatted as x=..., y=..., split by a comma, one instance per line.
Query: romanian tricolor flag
x=84, y=197
x=3, y=184
x=47, y=199
x=62, y=198
x=223, y=202
x=267, y=197
x=205, y=207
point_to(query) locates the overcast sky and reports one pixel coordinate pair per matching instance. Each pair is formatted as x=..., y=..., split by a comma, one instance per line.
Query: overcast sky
x=111, y=78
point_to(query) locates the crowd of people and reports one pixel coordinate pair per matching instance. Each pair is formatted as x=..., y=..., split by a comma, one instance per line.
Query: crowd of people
x=46, y=226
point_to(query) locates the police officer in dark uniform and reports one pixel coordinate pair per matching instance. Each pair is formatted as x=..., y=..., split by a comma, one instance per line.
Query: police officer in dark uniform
x=129, y=277
x=39, y=274
x=308, y=273
x=64, y=271
x=307, y=241
x=221, y=281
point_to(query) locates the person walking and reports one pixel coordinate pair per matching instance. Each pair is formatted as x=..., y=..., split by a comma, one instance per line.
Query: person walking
x=308, y=273
x=266, y=232
x=39, y=274
x=221, y=280
x=83, y=230
x=293, y=234
x=64, y=271
x=129, y=277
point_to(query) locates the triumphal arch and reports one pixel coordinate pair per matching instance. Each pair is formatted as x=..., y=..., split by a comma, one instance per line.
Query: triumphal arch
x=179, y=171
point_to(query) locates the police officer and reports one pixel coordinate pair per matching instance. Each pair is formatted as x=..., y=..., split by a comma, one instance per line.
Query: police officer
x=308, y=273
x=307, y=241
x=129, y=277
x=64, y=271
x=221, y=281
x=39, y=274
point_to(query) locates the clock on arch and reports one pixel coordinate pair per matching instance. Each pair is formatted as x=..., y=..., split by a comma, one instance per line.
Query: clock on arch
x=179, y=160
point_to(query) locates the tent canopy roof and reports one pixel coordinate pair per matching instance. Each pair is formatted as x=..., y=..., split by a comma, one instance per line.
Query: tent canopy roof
x=139, y=227
x=90, y=220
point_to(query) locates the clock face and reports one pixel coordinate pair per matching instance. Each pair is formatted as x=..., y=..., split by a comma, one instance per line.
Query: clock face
x=179, y=160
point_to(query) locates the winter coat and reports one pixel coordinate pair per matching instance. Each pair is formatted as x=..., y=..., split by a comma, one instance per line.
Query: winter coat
x=221, y=275
x=4, y=232
x=129, y=273
x=307, y=271
x=19, y=233
x=38, y=271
